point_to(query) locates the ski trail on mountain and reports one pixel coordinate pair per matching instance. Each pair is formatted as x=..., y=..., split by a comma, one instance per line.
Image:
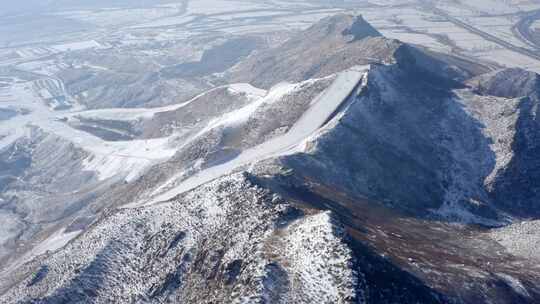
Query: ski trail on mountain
x=323, y=109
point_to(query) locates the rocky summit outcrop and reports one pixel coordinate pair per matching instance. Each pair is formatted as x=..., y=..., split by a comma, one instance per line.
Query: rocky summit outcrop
x=333, y=45
x=401, y=188
x=508, y=83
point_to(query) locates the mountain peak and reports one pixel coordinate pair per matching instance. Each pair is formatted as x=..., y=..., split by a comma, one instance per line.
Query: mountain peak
x=343, y=25
x=331, y=45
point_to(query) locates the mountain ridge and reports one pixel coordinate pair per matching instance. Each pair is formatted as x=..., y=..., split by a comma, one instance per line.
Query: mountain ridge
x=380, y=183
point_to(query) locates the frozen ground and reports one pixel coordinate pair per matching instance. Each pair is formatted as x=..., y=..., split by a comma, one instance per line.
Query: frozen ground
x=321, y=110
x=521, y=239
x=469, y=29
x=107, y=158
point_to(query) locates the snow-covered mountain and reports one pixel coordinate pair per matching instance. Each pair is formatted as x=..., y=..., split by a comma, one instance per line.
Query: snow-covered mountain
x=363, y=170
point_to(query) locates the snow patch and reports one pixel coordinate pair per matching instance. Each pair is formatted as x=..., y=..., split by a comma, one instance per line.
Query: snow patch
x=130, y=158
x=326, y=276
x=77, y=46
x=515, y=284
x=314, y=118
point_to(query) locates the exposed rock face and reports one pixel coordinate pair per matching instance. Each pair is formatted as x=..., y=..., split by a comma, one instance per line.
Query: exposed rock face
x=402, y=130
x=516, y=186
x=228, y=236
x=509, y=83
x=359, y=29
x=333, y=45
x=39, y=175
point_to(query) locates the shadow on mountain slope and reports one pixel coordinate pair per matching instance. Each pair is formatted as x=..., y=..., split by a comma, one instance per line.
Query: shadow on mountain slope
x=407, y=141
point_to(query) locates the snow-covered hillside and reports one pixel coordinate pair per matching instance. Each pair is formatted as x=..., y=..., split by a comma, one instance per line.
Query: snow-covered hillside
x=364, y=170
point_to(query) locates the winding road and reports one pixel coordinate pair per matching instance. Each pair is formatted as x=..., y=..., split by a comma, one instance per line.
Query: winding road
x=523, y=30
x=526, y=22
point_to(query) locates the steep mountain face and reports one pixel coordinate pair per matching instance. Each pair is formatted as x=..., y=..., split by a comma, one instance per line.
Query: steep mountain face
x=403, y=130
x=515, y=187
x=333, y=45
x=229, y=235
x=328, y=47
x=391, y=182
x=43, y=183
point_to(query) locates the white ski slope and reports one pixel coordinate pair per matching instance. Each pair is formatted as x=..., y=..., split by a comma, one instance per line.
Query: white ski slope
x=131, y=114
x=315, y=117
